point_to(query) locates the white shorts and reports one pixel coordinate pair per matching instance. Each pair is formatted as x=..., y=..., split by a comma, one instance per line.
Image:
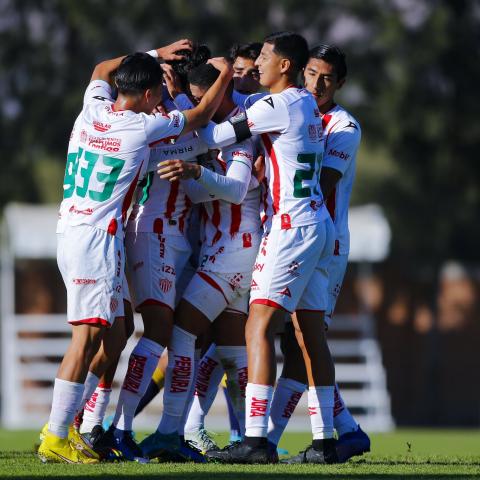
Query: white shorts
x=214, y=292
x=291, y=269
x=155, y=263
x=336, y=272
x=92, y=263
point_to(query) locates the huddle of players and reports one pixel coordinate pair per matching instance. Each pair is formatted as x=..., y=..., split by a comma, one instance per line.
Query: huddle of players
x=262, y=236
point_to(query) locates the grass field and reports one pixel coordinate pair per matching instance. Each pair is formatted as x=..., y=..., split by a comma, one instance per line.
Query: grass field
x=431, y=454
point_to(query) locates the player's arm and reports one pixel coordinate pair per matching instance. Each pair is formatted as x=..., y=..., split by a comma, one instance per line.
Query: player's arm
x=341, y=147
x=232, y=186
x=204, y=111
x=270, y=114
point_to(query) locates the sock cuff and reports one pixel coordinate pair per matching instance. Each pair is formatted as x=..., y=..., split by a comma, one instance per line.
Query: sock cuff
x=105, y=386
x=291, y=384
x=266, y=389
x=150, y=345
x=70, y=385
x=180, y=332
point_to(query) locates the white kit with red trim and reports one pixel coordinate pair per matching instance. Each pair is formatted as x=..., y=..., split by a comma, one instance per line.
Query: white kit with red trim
x=291, y=130
x=113, y=152
x=342, y=136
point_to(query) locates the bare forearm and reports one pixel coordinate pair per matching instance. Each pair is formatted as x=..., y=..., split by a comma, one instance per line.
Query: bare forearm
x=104, y=70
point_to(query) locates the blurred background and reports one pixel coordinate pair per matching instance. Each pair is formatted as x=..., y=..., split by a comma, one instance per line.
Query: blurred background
x=414, y=70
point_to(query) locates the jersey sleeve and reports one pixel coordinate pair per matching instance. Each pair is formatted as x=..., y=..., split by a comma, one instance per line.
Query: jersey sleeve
x=98, y=91
x=341, y=146
x=182, y=102
x=269, y=114
x=161, y=128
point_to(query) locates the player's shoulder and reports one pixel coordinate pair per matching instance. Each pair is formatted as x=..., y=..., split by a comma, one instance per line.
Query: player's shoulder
x=342, y=120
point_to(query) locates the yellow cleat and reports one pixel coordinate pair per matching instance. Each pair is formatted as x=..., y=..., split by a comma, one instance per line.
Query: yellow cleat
x=78, y=443
x=43, y=432
x=59, y=450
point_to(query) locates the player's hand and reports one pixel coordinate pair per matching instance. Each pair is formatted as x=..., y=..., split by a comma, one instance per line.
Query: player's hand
x=259, y=168
x=168, y=52
x=222, y=64
x=173, y=170
x=171, y=80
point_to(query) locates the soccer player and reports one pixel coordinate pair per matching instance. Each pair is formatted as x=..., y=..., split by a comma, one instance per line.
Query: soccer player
x=291, y=267
x=218, y=293
x=324, y=75
x=113, y=149
x=246, y=79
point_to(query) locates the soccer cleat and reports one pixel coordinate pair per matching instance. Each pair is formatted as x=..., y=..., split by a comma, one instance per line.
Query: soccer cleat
x=325, y=455
x=119, y=445
x=60, y=450
x=158, y=444
x=352, y=444
x=241, y=452
x=191, y=453
x=43, y=432
x=201, y=440
x=78, y=442
x=94, y=436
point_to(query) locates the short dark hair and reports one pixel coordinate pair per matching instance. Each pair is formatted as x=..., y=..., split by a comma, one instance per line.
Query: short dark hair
x=191, y=58
x=245, y=50
x=138, y=72
x=292, y=46
x=203, y=75
x=332, y=55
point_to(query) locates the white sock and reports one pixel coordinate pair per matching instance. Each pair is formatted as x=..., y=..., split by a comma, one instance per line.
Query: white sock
x=178, y=379
x=288, y=393
x=191, y=394
x=91, y=383
x=141, y=365
x=342, y=418
x=96, y=407
x=209, y=376
x=257, y=409
x=66, y=401
x=234, y=361
x=320, y=408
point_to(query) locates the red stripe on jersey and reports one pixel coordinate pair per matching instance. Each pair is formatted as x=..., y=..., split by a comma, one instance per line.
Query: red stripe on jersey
x=236, y=211
x=212, y=282
x=172, y=198
x=181, y=220
x=331, y=203
x=276, y=172
x=326, y=120
x=128, y=197
x=329, y=131
x=216, y=221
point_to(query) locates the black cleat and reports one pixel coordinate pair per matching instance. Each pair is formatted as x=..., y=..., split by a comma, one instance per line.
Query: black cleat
x=326, y=454
x=352, y=444
x=242, y=452
x=94, y=436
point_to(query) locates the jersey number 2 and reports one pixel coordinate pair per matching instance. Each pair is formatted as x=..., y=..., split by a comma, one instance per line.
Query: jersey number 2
x=313, y=160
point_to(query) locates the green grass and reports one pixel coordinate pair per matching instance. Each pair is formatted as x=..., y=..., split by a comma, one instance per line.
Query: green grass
x=430, y=454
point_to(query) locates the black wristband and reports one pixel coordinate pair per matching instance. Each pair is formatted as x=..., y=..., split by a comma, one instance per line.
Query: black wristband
x=240, y=126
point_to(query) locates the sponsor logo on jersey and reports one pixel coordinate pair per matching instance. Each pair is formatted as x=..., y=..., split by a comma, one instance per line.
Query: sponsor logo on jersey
x=176, y=151
x=205, y=369
x=258, y=267
x=286, y=292
x=136, y=367
x=254, y=285
x=291, y=404
x=335, y=153
x=269, y=101
x=83, y=136
x=84, y=281
x=86, y=211
x=286, y=223
x=240, y=153
x=165, y=285
x=182, y=371
x=235, y=281
x=176, y=120
x=110, y=111
x=258, y=407
x=101, y=127
x=109, y=144
x=162, y=246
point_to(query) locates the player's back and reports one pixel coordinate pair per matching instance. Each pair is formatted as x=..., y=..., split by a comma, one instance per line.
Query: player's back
x=294, y=150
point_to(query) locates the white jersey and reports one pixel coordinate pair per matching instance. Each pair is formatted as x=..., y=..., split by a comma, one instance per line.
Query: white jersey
x=161, y=206
x=342, y=137
x=113, y=152
x=291, y=129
